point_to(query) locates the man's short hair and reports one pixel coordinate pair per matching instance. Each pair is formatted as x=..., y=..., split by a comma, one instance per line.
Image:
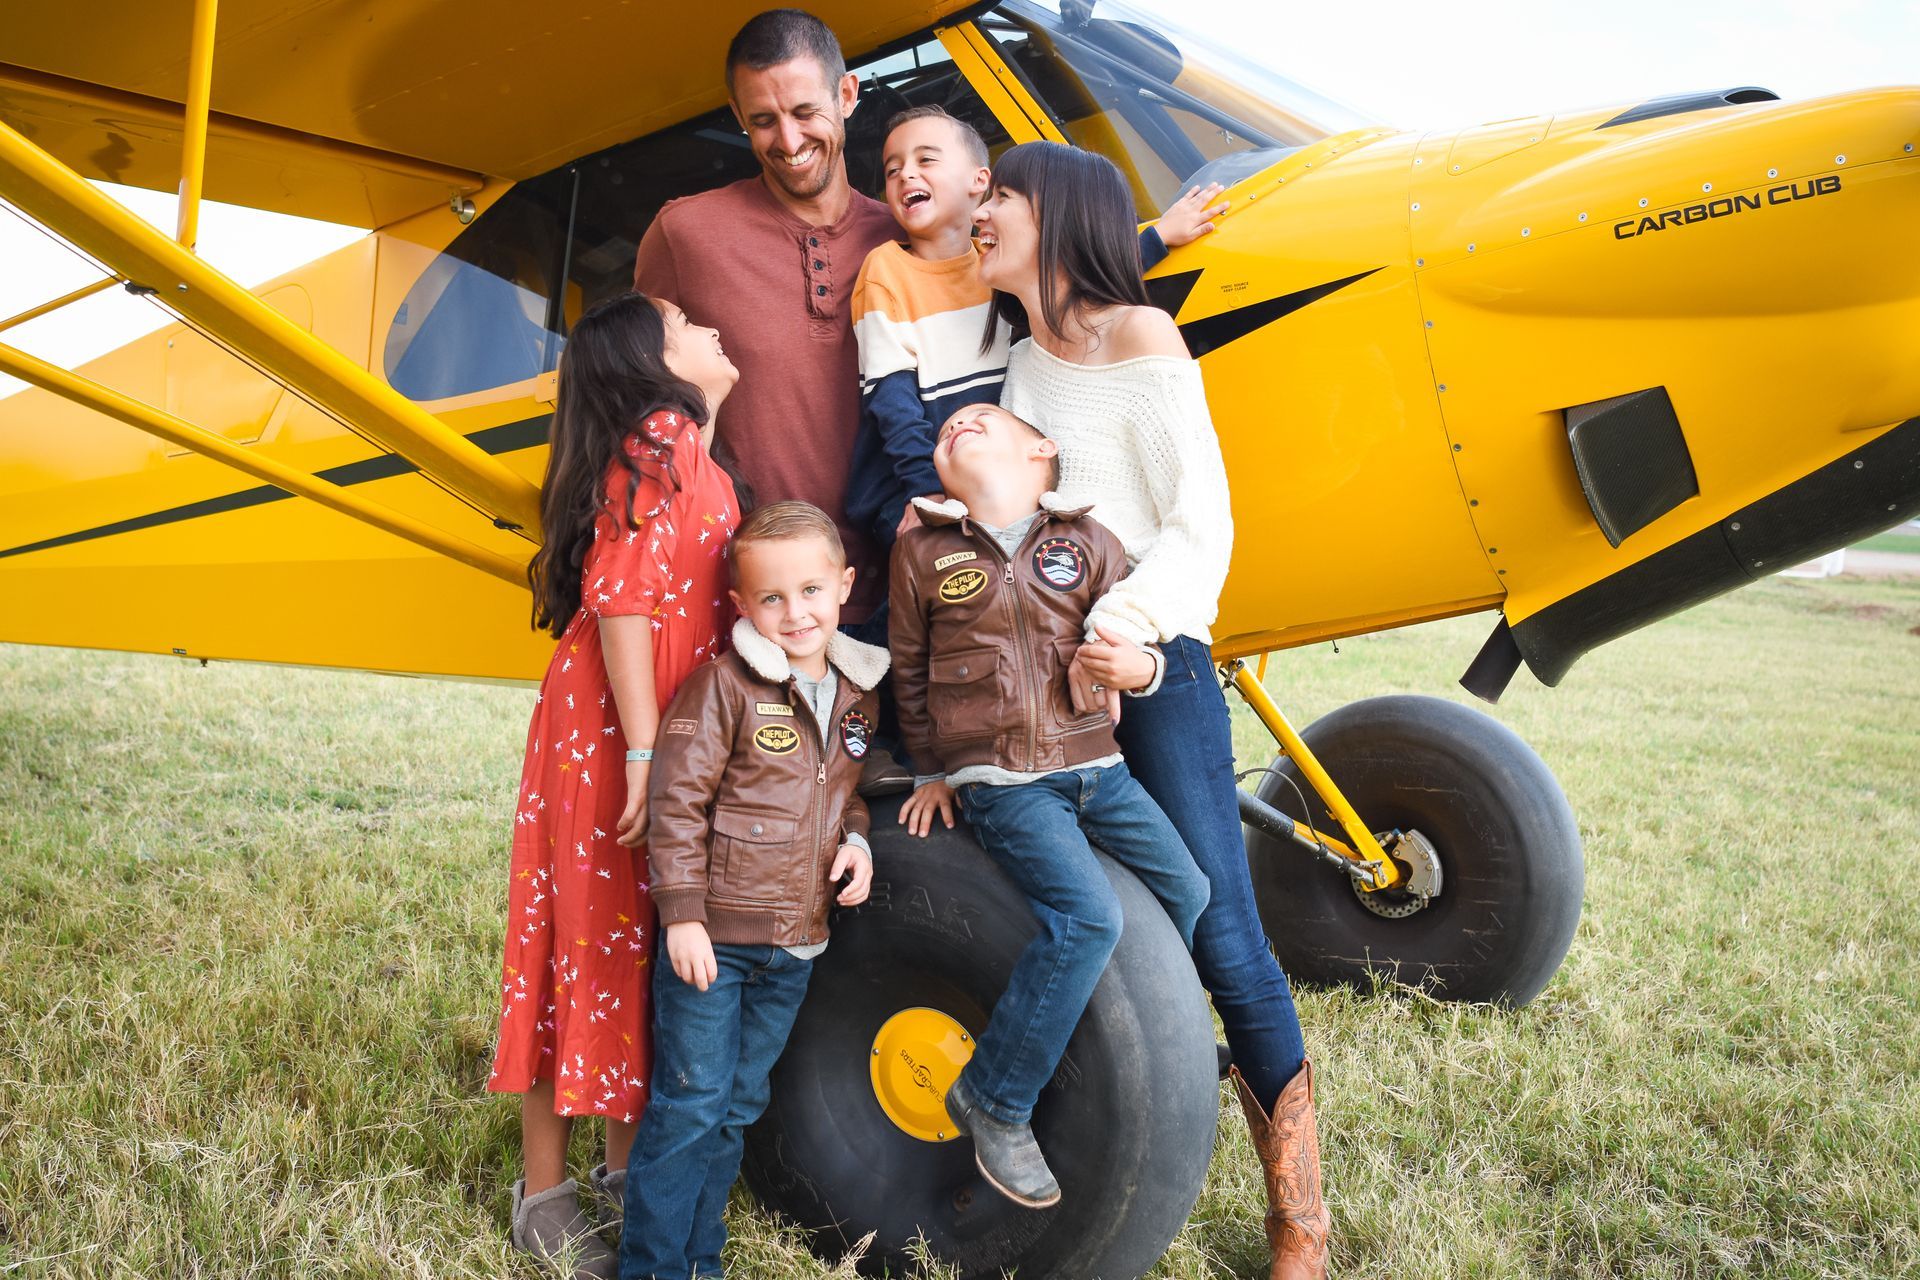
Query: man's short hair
x=969, y=136
x=784, y=522
x=781, y=35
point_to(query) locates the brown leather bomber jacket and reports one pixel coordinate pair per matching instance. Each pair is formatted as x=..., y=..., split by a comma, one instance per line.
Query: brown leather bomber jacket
x=747, y=806
x=981, y=643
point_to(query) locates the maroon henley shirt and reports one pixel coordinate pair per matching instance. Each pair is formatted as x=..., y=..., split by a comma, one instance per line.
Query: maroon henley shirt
x=776, y=288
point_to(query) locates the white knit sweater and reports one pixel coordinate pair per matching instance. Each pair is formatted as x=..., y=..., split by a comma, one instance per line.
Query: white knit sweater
x=1137, y=443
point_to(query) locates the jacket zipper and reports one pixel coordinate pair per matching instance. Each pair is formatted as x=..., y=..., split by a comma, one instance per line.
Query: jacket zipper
x=805, y=710
x=1027, y=699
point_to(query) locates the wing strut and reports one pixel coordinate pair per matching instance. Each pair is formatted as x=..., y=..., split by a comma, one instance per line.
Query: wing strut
x=60, y=200
x=135, y=413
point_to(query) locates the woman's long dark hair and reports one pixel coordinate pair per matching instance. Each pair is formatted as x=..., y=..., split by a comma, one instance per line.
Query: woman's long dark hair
x=613, y=374
x=1089, y=252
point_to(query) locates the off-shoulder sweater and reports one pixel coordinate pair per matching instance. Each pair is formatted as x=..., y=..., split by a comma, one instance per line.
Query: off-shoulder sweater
x=1137, y=443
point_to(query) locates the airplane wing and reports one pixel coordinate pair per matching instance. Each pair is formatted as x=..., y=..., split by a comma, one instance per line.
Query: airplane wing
x=362, y=113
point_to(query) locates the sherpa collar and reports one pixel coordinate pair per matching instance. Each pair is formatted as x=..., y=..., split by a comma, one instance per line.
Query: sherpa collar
x=863, y=664
x=952, y=510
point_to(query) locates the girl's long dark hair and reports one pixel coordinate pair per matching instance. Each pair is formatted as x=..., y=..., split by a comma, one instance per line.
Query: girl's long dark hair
x=613, y=374
x=1089, y=252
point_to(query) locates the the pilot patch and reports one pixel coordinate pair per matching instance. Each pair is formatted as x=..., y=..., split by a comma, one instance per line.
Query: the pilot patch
x=1061, y=563
x=963, y=585
x=855, y=731
x=958, y=557
x=776, y=739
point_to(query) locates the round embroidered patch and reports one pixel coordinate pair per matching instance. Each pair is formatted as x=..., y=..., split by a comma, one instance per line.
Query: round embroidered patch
x=776, y=739
x=1061, y=563
x=855, y=732
x=963, y=585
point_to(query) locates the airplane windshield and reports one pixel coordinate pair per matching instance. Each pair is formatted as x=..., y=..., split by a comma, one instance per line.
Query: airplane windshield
x=1168, y=106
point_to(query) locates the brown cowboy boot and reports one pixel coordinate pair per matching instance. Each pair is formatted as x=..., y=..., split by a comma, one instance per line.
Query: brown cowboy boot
x=1288, y=1145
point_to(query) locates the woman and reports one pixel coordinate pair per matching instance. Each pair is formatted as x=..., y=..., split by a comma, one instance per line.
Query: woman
x=1109, y=379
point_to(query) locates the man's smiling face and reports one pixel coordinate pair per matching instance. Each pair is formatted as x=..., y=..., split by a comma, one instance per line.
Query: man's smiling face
x=796, y=123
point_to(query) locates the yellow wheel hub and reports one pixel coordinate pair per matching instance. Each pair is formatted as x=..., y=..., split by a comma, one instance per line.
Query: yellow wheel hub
x=916, y=1058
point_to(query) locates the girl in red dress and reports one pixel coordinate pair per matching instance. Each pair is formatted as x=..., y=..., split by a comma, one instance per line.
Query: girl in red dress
x=632, y=579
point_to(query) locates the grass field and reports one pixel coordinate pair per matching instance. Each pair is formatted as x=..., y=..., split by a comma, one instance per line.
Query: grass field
x=1901, y=539
x=251, y=924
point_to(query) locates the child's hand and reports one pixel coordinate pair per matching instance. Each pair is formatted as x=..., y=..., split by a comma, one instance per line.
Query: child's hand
x=916, y=815
x=1190, y=218
x=1090, y=692
x=853, y=862
x=631, y=830
x=691, y=951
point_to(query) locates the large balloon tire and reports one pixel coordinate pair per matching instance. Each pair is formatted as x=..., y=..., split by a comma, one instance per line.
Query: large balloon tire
x=1127, y=1123
x=1508, y=847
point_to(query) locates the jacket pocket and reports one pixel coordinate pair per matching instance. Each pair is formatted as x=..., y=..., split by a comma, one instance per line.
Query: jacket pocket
x=964, y=695
x=752, y=855
x=1061, y=692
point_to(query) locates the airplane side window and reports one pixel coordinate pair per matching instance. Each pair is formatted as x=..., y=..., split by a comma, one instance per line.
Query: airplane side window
x=477, y=317
x=1162, y=103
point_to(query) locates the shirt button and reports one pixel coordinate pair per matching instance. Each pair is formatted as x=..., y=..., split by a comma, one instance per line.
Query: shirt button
x=960, y=671
x=758, y=830
x=813, y=241
x=820, y=289
x=819, y=265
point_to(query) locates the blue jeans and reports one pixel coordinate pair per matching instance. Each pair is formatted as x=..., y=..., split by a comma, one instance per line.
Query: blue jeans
x=713, y=1052
x=1180, y=747
x=1038, y=833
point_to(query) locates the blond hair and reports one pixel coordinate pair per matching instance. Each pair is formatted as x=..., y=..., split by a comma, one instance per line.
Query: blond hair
x=784, y=522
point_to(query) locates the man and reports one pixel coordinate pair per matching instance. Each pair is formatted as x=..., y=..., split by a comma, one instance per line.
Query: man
x=769, y=261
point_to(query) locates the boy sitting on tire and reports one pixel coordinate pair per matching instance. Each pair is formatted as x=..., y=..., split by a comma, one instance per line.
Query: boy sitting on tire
x=989, y=603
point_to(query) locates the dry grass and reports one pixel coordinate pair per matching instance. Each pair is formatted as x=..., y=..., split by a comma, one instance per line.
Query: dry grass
x=251, y=929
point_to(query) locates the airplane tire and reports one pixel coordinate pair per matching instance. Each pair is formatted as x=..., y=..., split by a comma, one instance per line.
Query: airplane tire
x=1127, y=1123
x=1506, y=839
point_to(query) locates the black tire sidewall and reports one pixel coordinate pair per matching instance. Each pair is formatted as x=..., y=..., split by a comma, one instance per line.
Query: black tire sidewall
x=1508, y=844
x=1127, y=1122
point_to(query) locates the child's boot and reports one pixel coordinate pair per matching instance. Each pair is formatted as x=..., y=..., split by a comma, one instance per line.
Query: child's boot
x=1007, y=1154
x=551, y=1227
x=610, y=1188
x=1288, y=1144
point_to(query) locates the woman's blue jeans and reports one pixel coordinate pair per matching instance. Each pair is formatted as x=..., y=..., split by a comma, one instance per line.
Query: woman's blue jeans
x=1037, y=832
x=713, y=1054
x=1179, y=745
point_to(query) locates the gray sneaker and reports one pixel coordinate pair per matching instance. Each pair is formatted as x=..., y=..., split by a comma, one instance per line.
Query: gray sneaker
x=1008, y=1157
x=552, y=1228
x=610, y=1189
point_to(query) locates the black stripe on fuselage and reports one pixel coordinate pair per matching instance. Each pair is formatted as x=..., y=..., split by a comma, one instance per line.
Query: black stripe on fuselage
x=1215, y=332
x=507, y=438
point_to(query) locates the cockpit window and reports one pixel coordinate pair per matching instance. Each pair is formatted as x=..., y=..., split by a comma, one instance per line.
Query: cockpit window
x=1164, y=104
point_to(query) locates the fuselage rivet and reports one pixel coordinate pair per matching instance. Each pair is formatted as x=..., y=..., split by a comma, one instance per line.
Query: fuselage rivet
x=1416, y=206
x=1857, y=464
x=1735, y=526
x=1643, y=202
x=1583, y=217
x=1773, y=173
x=1839, y=159
x=1706, y=186
x=1419, y=262
x=1526, y=231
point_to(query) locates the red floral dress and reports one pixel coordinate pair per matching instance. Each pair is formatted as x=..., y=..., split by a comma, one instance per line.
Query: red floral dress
x=575, y=996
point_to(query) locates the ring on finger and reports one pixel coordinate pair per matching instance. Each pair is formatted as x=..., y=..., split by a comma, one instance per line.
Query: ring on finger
x=1099, y=688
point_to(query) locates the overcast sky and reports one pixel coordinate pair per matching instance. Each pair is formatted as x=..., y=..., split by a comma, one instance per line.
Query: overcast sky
x=1417, y=64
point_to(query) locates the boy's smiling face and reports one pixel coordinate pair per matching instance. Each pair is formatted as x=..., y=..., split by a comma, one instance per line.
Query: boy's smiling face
x=983, y=442
x=791, y=590
x=933, y=183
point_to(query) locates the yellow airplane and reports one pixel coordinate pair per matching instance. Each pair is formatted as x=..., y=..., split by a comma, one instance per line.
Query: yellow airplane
x=1578, y=371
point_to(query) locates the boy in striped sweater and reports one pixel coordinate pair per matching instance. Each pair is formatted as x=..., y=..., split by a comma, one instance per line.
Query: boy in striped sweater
x=919, y=310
